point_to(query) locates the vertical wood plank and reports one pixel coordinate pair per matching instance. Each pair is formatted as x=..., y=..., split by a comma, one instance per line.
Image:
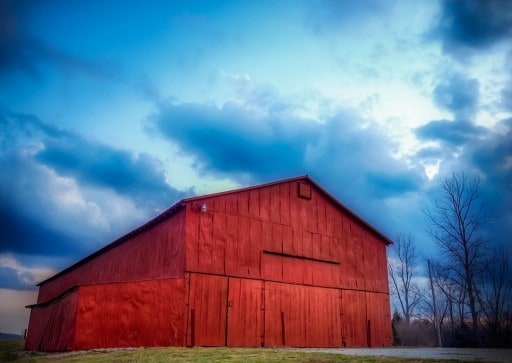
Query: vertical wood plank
x=307, y=243
x=242, y=200
x=275, y=204
x=208, y=299
x=288, y=238
x=245, y=313
x=231, y=233
x=284, y=205
x=316, y=246
x=264, y=204
x=277, y=238
x=354, y=318
x=254, y=203
x=255, y=246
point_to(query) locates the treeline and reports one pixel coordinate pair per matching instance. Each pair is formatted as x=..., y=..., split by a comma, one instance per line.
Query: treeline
x=466, y=300
x=421, y=332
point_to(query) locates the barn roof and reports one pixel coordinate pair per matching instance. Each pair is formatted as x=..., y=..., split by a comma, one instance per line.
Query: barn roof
x=179, y=205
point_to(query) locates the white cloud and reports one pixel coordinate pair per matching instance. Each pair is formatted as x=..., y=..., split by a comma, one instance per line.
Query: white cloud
x=69, y=200
x=28, y=275
x=432, y=169
x=60, y=199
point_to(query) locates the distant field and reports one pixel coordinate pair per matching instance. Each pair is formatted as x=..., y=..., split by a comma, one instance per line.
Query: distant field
x=12, y=351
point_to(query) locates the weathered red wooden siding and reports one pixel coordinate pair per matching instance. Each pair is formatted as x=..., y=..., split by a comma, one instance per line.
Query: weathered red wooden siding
x=301, y=316
x=224, y=311
x=52, y=325
x=252, y=313
x=243, y=233
x=326, y=259
x=353, y=319
x=380, y=320
x=245, y=313
x=132, y=314
x=207, y=310
x=154, y=254
x=375, y=265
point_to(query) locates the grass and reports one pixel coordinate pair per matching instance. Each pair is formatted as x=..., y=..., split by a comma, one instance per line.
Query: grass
x=12, y=351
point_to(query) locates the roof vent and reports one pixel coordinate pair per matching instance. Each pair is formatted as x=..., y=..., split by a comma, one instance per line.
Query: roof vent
x=304, y=190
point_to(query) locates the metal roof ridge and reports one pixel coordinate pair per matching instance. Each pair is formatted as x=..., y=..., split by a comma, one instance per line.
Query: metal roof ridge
x=244, y=189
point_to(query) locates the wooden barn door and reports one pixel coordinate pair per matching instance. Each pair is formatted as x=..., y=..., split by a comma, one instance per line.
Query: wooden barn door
x=378, y=314
x=206, y=325
x=245, y=313
x=302, y=316
x=354, y=322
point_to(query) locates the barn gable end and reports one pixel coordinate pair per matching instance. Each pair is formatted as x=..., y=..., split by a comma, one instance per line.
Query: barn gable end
x=272, y=232
x=280, y=264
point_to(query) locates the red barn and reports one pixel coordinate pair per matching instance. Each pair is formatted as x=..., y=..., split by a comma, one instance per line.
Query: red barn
x=279, y=264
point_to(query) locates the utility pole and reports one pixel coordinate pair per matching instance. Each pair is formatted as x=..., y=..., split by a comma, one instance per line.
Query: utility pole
x=436, y=319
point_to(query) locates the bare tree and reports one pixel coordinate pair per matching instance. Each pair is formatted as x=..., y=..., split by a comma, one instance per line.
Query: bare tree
x=402, y=274
x=451, y=296
x=455, y=220
x=437, y=321
x=496, y=295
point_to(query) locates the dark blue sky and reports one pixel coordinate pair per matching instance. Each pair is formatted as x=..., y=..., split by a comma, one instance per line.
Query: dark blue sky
x=112, y=111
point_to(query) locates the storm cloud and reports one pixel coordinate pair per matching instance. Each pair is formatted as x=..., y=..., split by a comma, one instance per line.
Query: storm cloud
x=472, y=25
x=64, y=194
x=25, y=53
x=235, y=139
x=480, y=152
x=453, y=133
x=458, y=94
x=350, y=158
